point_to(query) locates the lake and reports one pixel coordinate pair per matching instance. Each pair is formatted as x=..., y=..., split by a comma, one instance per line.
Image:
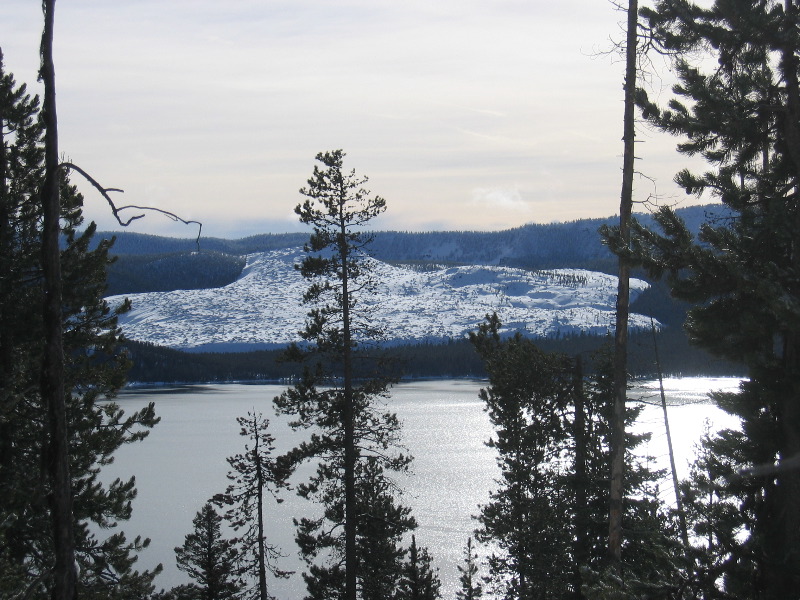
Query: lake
x=182, y=462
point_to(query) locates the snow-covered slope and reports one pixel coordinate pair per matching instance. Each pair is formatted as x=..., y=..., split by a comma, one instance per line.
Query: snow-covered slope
x=264, y=307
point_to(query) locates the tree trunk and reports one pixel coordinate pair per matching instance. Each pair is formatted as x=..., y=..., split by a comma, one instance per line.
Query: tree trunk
x=784, y=582
x=262, y=558
x=52, y=382
x=783, y=577
x=623, y=297
x=678, y=501
x=581, y=538
x=351, y=558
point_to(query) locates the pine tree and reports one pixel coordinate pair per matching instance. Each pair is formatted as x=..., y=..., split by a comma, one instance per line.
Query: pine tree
x=551, y=508
x=737, y=105
x=719, y=548
x=209, y=559
x=420, y=580
x=52, y=380
x=94, y=370
x=383, y=524
x=471, y=589
x=355, y=443
x=253, y=474
x=526, y=401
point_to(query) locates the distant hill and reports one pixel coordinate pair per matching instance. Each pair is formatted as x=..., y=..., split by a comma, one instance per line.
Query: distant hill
x=155, y=263
x=572, y=244
x=263, y=308
x=129, y=242
x=210, y=317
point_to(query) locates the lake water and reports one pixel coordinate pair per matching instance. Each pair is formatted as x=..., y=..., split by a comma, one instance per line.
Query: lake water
x=182, y=463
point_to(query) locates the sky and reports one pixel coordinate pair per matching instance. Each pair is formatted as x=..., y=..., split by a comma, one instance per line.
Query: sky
x=464, y=114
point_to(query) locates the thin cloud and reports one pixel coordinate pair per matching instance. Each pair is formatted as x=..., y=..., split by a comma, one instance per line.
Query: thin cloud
x=500, y=198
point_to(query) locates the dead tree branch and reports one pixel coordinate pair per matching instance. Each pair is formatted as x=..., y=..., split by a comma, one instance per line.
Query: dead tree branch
x=116, y=210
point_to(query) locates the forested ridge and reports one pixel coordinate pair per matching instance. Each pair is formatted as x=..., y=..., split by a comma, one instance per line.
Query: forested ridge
x=455, y=359
x=133, y=273
x=149, y=263
x=533, y=241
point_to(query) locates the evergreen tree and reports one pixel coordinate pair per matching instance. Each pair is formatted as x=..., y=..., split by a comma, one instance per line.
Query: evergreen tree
x=208, y=558
x=420, y=580
x=52, y=380
x=186, y=591
x=548, y=518
x=254, y=473
x=471, y=589
x=722, y=560
x=527, y=400
x=354, y=442
x=383, y=523
x=94, y=371
x=737, y=105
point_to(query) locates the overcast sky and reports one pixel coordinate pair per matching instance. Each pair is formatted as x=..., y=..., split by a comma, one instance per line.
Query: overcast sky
x=465, y=114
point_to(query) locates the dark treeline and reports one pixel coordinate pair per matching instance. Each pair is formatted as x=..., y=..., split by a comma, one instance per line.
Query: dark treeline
x=452, y=359
x=573, y=244
x=134, y=273
x=127, y=242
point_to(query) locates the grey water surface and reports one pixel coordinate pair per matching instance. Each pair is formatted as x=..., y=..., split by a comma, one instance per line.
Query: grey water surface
x=182, y=462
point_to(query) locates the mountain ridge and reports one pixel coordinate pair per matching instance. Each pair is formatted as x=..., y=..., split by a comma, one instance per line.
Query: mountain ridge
x=543, y=280
x=534, y=238
x=154, y=263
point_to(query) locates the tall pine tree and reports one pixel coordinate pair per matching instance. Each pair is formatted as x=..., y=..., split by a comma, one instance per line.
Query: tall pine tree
x=355, y=544
x=737, y=105
x=94, y=371
x=255, y=474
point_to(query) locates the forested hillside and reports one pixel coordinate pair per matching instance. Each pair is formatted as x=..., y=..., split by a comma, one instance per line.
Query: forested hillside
x=133, y=273
x=128, y=242
x=149, y=263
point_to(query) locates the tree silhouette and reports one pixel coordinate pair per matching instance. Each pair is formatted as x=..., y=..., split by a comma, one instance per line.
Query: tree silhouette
x=208, y=558
x=354, y=441
x=471, y=589
x=254, y=473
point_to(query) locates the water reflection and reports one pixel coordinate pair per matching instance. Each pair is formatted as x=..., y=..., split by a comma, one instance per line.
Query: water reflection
x=182, y=463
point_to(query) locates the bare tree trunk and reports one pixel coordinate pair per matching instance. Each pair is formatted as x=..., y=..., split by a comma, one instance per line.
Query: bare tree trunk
x=262, y=551
x=678, y=501
x=623, y=298
x=52, y=382
x=350, y=458
x=581, y=547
